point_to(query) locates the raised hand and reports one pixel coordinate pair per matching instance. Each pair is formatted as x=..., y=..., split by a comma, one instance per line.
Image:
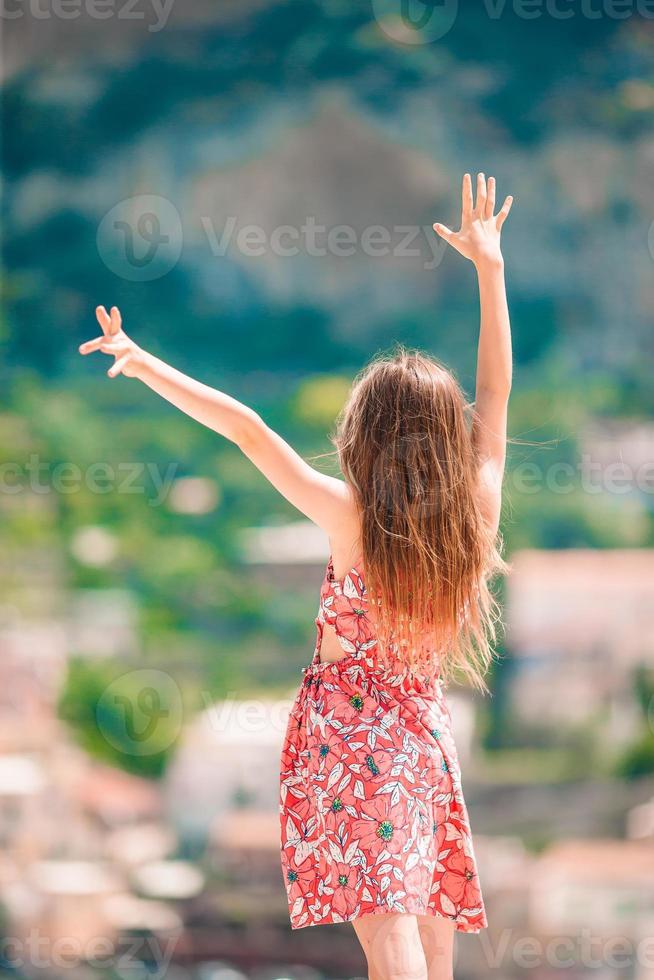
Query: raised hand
x=479, y=236
x=114, y=341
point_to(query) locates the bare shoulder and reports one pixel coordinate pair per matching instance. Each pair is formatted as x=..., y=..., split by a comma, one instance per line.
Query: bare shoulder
x=345, y=539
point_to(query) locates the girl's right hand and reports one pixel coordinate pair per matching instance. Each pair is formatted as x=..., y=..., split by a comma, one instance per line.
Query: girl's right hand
x=479, y=236
x=127, y=355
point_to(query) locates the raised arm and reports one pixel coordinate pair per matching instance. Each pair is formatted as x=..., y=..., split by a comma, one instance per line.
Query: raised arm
x=323, y=499
x=479, y=241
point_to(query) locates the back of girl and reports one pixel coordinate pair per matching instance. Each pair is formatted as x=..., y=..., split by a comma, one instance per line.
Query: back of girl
x=374, y=826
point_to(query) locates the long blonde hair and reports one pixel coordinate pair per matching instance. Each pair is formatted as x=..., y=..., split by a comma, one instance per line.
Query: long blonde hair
x=405, y=447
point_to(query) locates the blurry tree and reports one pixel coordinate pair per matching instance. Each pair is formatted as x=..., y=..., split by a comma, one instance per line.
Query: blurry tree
x=638, y=759
x=101, y=724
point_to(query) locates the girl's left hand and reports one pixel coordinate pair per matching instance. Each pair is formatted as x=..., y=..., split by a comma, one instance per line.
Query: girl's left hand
x=479, y=236
x=114, y=341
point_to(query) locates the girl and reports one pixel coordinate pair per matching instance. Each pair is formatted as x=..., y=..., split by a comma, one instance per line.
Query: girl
x=374, y=828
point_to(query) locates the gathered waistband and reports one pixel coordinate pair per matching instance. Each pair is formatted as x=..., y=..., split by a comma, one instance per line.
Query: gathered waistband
x=374, y=670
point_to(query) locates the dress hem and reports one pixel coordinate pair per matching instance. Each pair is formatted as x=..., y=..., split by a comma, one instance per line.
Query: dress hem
x=460, y=924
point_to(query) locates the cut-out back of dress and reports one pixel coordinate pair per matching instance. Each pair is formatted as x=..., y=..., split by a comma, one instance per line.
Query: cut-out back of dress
x=344, y=623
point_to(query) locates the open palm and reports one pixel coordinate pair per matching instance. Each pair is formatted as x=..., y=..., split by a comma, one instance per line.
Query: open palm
x=479, y=236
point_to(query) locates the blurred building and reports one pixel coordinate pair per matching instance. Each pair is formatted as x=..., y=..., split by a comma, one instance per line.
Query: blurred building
x=579, y=624
x=228, y=760
x=102, y=623
x=504, y=865
x=297, y=543
x=294, y=554
x=78, y=843
x=640, y=822
x=601, y=882
x=245, y=844
x=32, y=668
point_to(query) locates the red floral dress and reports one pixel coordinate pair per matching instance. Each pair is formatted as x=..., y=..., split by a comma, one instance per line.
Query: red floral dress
x=372, y=813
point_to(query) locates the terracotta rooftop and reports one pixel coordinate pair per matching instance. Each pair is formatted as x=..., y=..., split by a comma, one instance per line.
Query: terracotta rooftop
x=117, y=796
x=572, y=565
x=582, y=600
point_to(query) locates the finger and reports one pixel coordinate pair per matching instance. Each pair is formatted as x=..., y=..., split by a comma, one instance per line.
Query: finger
x=116, y=320
x=116, y=368
x=101, y=343
x=490, y=198
x=504, y=212
x=103, y=319
x=444, y=231
x=481, y=195
x=90, y=345
x=466, y=196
